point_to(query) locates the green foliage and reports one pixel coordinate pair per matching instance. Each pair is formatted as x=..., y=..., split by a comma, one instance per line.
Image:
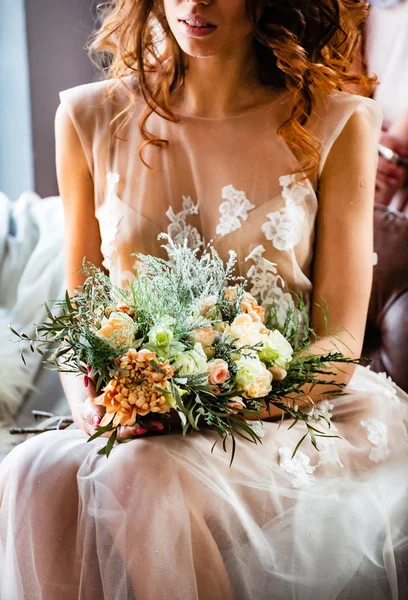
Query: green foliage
x=170, y=293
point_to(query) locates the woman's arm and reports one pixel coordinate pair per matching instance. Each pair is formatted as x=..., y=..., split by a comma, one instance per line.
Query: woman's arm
x=343, y=260
x=82, y=239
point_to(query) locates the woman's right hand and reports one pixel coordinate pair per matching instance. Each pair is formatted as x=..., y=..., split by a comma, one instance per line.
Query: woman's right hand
x=87, y=415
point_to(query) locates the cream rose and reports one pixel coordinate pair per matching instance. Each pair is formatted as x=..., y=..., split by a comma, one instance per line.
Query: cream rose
x=118, y=329
x=191, y=362
x=218, y=371
x=247, y=331
x=204, y=336
x=253, y=377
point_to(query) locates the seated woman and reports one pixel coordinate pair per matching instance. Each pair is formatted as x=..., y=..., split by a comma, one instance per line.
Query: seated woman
x=237, y=106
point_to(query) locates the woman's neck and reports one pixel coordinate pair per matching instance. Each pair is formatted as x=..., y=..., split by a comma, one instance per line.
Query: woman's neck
x=221, y=86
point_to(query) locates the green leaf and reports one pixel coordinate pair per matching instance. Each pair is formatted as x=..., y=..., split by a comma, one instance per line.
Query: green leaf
x=13, y=331
x=233, y=450
x=192, y=420
x=49, y=313
x=156, y=366
x=299, y=444
x=100, y=431
x=68, y=302
x=111, y=442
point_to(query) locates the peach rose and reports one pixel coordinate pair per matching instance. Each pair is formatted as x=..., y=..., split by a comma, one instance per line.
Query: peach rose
x=230, y=294
x=204, y=335
x=218, y=371
x=118, y=329
x=208, y=305
x=250, y=306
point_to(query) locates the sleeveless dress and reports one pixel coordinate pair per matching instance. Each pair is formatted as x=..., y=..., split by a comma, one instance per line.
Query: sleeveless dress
x=163, y=518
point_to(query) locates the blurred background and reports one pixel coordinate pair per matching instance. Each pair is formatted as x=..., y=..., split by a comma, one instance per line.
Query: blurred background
x=43, y=51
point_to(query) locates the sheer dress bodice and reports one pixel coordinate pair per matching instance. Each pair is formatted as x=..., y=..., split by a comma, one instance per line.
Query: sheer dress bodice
x=226, y=180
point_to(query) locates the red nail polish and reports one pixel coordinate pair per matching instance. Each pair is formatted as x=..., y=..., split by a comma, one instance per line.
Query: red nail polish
x=86, y=381
x=141, y=431
x=158, y=427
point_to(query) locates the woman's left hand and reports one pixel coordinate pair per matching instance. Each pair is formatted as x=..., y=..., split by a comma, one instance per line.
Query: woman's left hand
x=126, y=432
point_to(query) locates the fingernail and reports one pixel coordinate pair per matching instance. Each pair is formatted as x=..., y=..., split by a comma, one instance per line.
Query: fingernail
x=158, y=427
x=141, y=431
x=86, y=381
x=89, y=369
x=96, y=420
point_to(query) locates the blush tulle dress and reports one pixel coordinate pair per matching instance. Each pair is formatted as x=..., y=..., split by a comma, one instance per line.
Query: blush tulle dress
x=163, y=518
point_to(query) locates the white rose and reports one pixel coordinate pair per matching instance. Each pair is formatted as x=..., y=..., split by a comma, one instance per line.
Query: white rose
x=191, y=362
x=253, y=377
x=276, y=350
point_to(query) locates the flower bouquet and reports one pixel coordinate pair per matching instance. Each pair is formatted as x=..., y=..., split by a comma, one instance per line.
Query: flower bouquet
x=185, y=336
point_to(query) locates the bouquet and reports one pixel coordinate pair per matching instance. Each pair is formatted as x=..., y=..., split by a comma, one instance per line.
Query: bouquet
x=185, y=336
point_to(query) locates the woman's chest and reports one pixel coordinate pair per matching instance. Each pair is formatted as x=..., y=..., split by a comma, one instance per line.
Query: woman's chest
x=211, y=187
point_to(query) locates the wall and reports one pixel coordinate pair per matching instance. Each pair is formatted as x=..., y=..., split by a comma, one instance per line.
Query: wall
x=57, y=32
x=16, y=158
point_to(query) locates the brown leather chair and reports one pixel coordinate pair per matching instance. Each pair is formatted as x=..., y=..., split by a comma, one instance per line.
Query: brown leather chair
x=386, y=337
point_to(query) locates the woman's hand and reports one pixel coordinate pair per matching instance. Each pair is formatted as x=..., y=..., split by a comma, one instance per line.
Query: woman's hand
x=390, y=177
x=88, y=415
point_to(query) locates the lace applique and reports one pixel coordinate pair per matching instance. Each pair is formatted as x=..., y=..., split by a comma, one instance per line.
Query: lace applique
x=178, y=230
x=298, y=466
x=284, y=228
x=257, y=427
x=328, y=453
x=109, y=221
x=268, y=286
x=378, y=437
x=234, y=210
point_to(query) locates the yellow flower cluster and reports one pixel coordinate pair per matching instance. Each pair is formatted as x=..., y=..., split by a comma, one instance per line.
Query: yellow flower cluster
x=133, y=391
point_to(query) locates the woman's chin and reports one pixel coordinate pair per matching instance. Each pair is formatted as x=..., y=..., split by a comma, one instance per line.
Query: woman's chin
x=198, y=49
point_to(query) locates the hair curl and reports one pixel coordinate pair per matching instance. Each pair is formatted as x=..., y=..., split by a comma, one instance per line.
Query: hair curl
x=306, y=47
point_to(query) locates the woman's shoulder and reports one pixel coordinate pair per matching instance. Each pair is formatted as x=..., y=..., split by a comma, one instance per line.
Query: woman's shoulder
x=334, y=110
x=97, y=98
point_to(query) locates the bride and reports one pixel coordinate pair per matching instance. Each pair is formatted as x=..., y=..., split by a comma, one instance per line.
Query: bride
x=221, y=120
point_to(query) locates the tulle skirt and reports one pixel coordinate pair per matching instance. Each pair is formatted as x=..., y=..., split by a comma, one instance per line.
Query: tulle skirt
x=163, y=518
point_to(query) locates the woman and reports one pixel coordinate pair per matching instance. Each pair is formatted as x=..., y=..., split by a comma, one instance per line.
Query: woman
x=227, y=98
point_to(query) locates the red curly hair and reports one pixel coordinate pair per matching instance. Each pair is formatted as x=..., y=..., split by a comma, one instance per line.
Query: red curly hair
x=303, y=46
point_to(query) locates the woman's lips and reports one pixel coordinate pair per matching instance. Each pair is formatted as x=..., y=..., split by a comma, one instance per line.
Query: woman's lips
x=196, y=26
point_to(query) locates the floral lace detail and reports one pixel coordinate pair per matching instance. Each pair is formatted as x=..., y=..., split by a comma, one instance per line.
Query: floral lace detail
x=284, y=228
x=257, y=427
x=234, y=210
x=178, y=230
x=109, y=221
x=298, y=466
x=328, y=452
x=378, y=437
x=268, y=286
